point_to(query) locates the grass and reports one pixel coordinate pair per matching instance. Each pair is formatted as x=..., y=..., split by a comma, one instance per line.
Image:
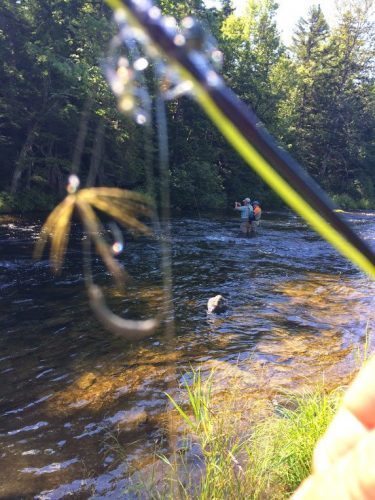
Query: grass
x=235, y=446
x=363, y=351
x=223, y=456
x=281, y=447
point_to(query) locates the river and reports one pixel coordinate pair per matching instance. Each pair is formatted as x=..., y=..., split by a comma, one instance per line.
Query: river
x=297, y=312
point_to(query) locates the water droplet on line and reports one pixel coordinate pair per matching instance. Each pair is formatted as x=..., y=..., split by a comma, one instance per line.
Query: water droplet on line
x=142, y=4
x=117, y=247
x=124, y=74
x=73, y=184
x=126, y=103
x=188, y=22
x=140, y=64
x=154, y=12
x=217, y=57
x=117, y=86
x=120, y=16
x=141, y=118
x=179, y=40
x=123, y=61
x=170, y=22
x=212, y=78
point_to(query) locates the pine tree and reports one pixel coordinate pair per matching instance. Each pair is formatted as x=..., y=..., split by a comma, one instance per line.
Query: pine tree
x=312, y=58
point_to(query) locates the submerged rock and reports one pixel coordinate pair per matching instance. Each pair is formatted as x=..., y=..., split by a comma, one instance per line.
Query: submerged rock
x=217, y=304
x=86, y=380
x=131, y=419
x=100, y=390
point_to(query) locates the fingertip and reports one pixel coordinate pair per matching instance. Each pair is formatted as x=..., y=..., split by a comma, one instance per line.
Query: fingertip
x=363, y=468
x=304, y=489
x=351, y=477
x=360, y=396
x=344, y=432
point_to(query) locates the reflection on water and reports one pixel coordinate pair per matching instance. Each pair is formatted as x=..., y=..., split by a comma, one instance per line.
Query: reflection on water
x=297, y=311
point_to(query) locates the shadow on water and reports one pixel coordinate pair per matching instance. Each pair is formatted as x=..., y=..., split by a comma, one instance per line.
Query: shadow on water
x=297, y=311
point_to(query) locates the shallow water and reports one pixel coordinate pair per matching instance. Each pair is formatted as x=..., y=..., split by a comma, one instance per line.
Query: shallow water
x=70, y=391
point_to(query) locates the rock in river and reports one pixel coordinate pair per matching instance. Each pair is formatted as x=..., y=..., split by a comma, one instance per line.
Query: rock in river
x=86, y=380
x=217, y=304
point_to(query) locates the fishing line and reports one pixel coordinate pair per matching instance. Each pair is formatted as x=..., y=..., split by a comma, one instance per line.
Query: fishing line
x=127, y=329
x=165, y=242
x=96, y=155
x=82, y=134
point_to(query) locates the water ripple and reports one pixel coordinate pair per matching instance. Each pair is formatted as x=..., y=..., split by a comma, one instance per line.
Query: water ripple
x=296, y=309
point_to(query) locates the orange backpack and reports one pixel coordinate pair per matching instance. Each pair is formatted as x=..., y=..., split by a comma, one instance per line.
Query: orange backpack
x=257, y=212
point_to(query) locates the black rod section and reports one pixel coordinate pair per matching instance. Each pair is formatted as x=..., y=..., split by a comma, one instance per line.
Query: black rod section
x=246, y=121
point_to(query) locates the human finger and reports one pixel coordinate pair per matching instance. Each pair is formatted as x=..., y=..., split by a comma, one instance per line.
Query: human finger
x=351, y=422
x=351, y=478
x=360, y=397
x=344, y=432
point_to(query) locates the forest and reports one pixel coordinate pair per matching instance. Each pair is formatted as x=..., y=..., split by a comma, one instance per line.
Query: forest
x=119, y=377
x=58, y=114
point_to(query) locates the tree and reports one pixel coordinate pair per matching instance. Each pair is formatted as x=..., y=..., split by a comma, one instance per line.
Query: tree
x=253, y=55
x=51, y=51
x=350, y=117
x=312, y=57
x=334, y=95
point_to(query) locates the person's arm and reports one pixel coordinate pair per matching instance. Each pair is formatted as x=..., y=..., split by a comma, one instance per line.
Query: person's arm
x=344, y=458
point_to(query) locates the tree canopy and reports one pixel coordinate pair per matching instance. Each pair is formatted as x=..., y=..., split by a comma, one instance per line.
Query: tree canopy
x=57, y=113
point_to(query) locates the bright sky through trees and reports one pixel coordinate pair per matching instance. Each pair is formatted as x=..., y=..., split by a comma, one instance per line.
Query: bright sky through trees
x=290, y=11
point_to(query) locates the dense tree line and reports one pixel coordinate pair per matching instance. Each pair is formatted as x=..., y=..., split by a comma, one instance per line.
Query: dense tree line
x=57, y=113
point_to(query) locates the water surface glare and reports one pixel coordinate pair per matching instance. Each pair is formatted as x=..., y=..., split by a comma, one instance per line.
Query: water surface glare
x=71, y=392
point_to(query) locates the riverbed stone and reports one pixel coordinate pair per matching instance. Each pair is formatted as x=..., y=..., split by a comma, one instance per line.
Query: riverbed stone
x=86, y=380
x=217, y=304
x=107, y=387
x=132, y=419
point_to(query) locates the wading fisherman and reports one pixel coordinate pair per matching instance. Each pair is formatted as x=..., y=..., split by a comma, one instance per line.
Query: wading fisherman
x=257, y=214
x=246, y=215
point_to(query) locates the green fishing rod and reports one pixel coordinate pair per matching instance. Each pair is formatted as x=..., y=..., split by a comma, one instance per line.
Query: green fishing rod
x=244, y=131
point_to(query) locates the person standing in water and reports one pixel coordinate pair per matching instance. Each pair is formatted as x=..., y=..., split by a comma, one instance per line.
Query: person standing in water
x=246, y=212
x=257, y=214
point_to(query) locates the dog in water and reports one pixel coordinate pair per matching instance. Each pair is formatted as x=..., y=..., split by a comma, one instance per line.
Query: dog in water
x=217, y=304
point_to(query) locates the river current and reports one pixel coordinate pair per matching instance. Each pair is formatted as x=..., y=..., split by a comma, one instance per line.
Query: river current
x=71, y=392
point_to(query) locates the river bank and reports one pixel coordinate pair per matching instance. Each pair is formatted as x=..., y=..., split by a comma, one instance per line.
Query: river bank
x=36, y=200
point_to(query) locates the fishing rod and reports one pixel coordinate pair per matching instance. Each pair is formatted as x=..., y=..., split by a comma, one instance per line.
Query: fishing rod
x=240, y=126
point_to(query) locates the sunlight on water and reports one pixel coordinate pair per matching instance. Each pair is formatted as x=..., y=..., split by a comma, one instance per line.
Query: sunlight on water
x=73, y=397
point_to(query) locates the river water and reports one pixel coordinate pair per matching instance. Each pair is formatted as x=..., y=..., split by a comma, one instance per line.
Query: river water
x=71, y=392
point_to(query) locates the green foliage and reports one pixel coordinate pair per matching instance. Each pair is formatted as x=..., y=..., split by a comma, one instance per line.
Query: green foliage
x=318, y=98
x=267, y=458
x=281, y=447
x=53, y=87
x=252, y=48
x=26, y=201
x=219, y=448
x=346, y=202
x=334, y=108
x=197, y=185
x=6, y=205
